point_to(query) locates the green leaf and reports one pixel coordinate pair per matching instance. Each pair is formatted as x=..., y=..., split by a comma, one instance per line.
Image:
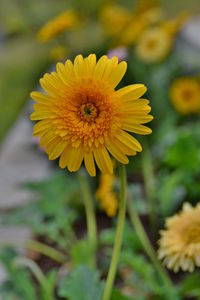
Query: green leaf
x=80, y=253
x=190, y=286
x=116, y=295
x=19, y=284
x=82, y=284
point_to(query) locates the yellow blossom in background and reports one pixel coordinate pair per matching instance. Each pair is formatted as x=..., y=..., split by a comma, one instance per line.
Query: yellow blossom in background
x=173, y=26
x=185, y=95
x=58, y=53
x=64, y=21
x=179, y=245
x=154, y=45
x=106, y=196
x=133, y=31
x=146, y=5
x=114, y=19
x=82, y=117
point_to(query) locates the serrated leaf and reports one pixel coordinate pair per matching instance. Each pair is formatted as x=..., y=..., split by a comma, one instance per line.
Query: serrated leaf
x=82, y=284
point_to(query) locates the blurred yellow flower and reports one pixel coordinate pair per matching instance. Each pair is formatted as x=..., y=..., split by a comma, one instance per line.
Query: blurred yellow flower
x=64, y=21
x=114, y=19
x=133, y=30
x=185, y=95
x=58, y=53
x=105, y=195
x=174, y=25
x=81, y=115
x=179, y=245
x=153, y=45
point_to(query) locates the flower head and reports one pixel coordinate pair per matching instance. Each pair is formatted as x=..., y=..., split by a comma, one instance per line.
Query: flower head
x=173, y=26
x=154, y=45
x=114, y=19
x=185, y=95
x=64, y=21
x=179, y=245
x=106, y=196
x=82, y=117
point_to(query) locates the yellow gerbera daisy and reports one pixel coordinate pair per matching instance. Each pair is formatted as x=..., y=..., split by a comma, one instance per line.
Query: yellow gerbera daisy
x=82, y=117
x=154, y=45
x=174, y=25
x=65, y=20
x=106, y=196
x=179, y=246
x=185, y=95
x=114, y=19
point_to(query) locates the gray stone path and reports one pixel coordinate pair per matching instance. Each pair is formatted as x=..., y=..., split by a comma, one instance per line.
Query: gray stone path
x=20, y=163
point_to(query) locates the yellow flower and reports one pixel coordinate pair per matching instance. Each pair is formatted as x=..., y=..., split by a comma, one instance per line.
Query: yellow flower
x=185, y=95
x=57, y=25
x=114, y=19
x=58, y=53
x=174, y=25
x=106, y=196
x=179, y=245
x=154, y=45
x=133, y=30
x=82, y=116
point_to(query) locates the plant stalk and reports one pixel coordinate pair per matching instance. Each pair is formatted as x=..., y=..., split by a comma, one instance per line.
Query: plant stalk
x=118, y=237
x=90, y=215
x=135, y=220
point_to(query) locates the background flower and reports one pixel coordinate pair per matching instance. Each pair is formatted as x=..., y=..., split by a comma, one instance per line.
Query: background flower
x=106, y=196
x=185, y=95
x=179, y=245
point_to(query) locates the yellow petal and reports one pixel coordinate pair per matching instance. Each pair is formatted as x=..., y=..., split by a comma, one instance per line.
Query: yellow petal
x=100, y=67
x=130, y=92
x=50, y=145
x=37, y=115
x=138, y=129
x=118, y=74
x=138, y=119
x=75, y=158
x=61, y=70
x=64, y=158
x=123, y=148
x=57, y=150
x=111, y=66
x=89, y=163
x=41, y=126
x=47, y=137
x=103, y=160
x=91, y=63
x=129, y=141
x=117, y=153
x=78, y=66
x=41, y=98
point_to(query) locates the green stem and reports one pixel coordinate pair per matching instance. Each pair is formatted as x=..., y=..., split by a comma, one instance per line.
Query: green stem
x=46, y=250
x=38, y=247
x=135, y=220
x=90, y=215
x=118, y=237
x=149, y=183
x=28, y=263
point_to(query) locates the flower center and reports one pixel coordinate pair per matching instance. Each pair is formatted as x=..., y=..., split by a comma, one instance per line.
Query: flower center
x=151, y=44
x=88, y=112
x=192, y=235
x=188, y=95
